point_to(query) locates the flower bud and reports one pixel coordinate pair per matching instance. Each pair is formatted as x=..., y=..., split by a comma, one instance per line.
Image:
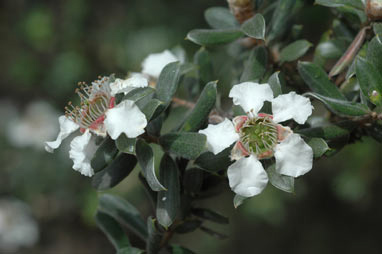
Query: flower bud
x=241, y=9
x=374, y=9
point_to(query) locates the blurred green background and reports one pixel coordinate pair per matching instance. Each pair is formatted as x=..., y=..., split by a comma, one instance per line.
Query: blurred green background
x=48, y=46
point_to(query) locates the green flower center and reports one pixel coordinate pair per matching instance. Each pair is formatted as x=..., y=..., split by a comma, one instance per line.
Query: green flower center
x=259, y=135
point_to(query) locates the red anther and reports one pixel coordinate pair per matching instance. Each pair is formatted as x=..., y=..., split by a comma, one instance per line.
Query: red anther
x=265, y=115
x=112, y=102
x=239, y=121
x=82, y=130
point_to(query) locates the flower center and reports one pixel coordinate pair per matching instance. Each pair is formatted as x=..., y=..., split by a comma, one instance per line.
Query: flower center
x=259, y=135
x=94, y=101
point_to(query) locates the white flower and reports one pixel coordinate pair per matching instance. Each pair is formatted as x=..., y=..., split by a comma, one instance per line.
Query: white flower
x=153, y=64
x=33, y=127
x=99, y=115
x=260, y=136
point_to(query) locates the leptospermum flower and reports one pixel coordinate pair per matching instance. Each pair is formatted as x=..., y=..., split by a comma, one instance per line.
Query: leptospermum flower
x=98, y=114
x=153, y=64
x=260, y=136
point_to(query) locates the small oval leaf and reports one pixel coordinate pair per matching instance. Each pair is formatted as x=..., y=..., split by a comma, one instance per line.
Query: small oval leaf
x=185, y=144
x=209, y=37
x=220, y=18
x=295, y=50
x=202, y=109
x=254, y=27
x=145, y=158
x=115, y=172
x=123, y=212
x=168, y=202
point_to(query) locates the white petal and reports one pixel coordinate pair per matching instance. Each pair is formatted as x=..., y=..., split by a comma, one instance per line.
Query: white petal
x=125, y=118
x=126, y=85
x=82, y=150
x=153, y=64
x=247, y=177
x=251, y=96
x=291, y=106
x=220, y=136
x=293, y=156
x=67, y=126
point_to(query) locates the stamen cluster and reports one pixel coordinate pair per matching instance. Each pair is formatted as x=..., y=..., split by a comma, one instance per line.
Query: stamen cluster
x=94, y=101
x=259, y=135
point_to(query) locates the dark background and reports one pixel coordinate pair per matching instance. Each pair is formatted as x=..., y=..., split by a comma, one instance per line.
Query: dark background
x=48, y=46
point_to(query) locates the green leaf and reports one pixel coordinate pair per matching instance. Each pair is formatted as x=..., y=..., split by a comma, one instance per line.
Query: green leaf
x=317, y=80
x=374, y=52
x=130, y=250
x=275, y=84
x=168, y=82
x=209, y=37
x=214, y=163
x=377, y=28
x=185, y=144
x=341, y=107
x=104, y=154
x=139, y=93
x=115, y=172
x=124, y=213
x=319, y=146
x=145, y=158
x=210, y=215
x=220, y=18
x=370, y=80
x=256, y=65
x=202, y=109
x=340, y=3
x=155, y=236
x=294, y=50
x=280, y=18
x=326, y=132
x=168, y=202
x=254, y=27
x=151, y=109
x=203, y=60
x=125, y=144
x=112, y=230
x=193, y=180
x=282, y=182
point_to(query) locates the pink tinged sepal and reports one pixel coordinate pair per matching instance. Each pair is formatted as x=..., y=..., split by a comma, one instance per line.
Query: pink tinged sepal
x=82, y=150
x=238, y=122
x=293, y=156
x=247, y=177
x=283, y=132
x=239, y=151
x=67, y=127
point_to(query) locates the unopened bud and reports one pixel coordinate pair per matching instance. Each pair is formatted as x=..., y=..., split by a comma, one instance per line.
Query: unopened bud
x=374, y=9
x=241, y=9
